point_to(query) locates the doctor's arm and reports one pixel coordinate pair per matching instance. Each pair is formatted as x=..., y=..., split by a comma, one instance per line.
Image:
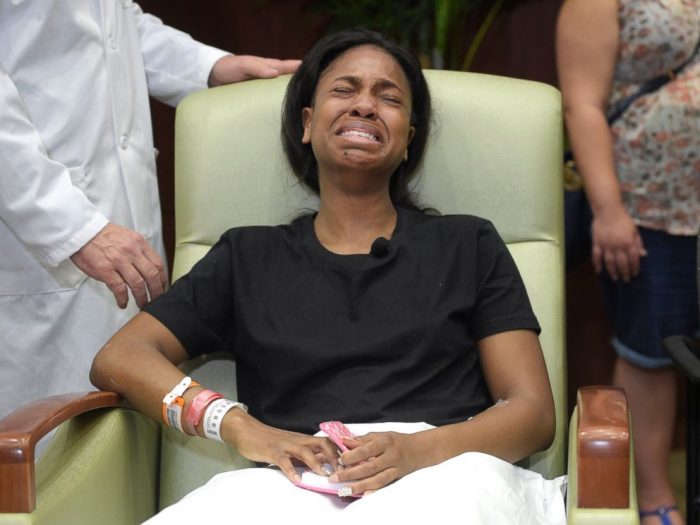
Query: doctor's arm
x=177, y=65
x=54, y=219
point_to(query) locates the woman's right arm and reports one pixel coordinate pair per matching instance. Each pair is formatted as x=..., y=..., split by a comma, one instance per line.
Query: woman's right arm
x=140, y=363
x=587, y=50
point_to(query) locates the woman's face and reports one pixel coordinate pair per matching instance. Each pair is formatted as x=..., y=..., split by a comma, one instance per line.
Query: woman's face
x=360, y=118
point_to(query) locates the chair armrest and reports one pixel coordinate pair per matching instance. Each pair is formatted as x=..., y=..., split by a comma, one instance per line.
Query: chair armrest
x=601, y=469
x=603, y=450
x=685, y=353
x=21, y=430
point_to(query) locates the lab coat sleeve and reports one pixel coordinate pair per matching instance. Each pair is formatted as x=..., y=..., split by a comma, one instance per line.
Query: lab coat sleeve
x=38, y=201
x=176, y=64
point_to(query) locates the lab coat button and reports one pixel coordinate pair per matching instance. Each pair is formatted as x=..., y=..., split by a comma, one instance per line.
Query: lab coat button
x=124, y=141
x=112, y=43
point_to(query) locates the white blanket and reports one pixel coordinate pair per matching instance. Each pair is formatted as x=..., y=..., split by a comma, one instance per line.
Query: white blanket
x=472, y=488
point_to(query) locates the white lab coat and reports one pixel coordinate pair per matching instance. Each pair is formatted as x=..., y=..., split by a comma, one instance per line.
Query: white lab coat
x=76, y=152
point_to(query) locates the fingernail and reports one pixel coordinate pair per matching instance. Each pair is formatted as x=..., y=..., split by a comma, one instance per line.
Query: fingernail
x=327, y=469
x=345, y=492
x=334, y=478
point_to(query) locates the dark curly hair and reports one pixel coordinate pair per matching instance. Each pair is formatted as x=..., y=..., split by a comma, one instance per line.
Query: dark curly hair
x=300, y=94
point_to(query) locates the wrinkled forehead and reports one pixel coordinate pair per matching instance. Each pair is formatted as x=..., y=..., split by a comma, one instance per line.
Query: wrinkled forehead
x=356, y=61
x=352, y=59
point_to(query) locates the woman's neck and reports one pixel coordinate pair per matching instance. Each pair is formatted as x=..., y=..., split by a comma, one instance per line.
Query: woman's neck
x=349, y=224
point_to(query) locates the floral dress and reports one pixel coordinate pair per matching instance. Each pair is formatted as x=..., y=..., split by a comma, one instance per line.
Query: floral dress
x=657, y=139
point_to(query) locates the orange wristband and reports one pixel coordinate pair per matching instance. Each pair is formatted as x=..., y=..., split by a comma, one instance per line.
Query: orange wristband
x=173, y=403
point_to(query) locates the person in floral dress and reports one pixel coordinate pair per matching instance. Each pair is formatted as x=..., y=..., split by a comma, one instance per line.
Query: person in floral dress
x=641, y=175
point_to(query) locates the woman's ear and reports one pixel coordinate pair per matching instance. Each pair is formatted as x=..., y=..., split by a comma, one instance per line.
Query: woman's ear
x=306, y=117
x=411, y=134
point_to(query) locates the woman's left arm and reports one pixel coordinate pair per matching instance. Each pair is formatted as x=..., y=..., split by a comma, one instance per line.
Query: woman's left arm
x=521, y=422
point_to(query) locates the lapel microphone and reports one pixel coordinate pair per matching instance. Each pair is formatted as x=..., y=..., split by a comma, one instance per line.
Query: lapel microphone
x=380, y=247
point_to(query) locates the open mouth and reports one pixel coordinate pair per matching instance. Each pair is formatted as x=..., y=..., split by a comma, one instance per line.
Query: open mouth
x=360, y=134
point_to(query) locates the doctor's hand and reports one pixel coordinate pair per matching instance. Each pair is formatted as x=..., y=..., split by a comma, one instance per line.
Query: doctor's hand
x=236, y=68
x=378, y=459
x=123, y=260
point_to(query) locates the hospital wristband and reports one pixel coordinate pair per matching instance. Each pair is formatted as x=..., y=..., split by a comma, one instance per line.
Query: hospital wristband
x=173, y=403
x=198, y=405
x=214, y=416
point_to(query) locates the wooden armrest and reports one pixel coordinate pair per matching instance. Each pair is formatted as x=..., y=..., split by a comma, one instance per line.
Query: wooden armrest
x=21, y=430
x=603, y=448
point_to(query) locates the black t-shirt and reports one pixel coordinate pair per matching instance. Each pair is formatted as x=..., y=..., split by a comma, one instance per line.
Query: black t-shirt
x=359, y=338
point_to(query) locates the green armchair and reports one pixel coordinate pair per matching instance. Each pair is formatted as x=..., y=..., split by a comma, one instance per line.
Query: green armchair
x=495, y=151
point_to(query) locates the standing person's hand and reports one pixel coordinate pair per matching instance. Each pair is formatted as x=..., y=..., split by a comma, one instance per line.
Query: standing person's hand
x=236, y=68
x=617, y=245
x=123, y=260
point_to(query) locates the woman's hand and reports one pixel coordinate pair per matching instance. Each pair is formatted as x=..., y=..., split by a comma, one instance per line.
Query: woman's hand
x=259, y=442
x=377, y=459
x=617, y=245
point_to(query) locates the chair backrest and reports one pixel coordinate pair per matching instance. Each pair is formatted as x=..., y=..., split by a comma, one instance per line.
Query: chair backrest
x=495, y=151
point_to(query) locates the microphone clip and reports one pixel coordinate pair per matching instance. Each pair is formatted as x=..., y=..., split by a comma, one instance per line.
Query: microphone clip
x=380, y=247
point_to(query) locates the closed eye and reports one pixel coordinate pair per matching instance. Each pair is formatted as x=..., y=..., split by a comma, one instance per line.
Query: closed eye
x=341, y=90
x=391, y=100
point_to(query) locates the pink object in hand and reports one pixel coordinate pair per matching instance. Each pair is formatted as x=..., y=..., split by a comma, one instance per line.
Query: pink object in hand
x=336, y=431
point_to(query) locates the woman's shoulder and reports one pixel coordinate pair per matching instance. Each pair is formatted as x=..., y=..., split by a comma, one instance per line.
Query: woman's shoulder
x=453, y=231
x=261, y=235
x=433, y=219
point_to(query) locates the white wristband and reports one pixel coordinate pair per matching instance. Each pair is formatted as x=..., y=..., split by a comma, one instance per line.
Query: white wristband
x=174, y=414
x=173, y=404
x=214, y=416
x=177, y=391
